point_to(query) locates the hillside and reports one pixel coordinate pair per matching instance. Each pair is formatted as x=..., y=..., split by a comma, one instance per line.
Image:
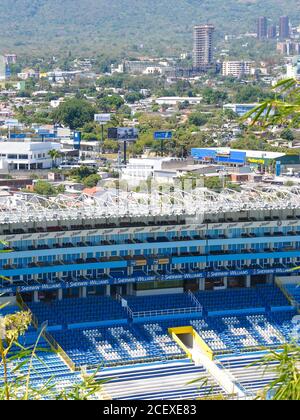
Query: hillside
x=160, y=25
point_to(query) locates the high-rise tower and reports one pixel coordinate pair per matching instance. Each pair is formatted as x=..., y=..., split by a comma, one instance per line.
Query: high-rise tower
x=284, y=27
x=203, y=45
x=262, y=27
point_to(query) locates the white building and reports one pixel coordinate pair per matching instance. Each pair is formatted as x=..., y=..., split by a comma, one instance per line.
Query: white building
x=293, y=68
x=3, y=68
x=174, y=100
x=139, y=169
x=26, y=155
x=237, y=68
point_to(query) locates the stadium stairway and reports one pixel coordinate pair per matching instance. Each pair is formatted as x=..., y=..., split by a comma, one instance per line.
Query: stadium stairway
x=248, y=372
x=221, y=376
x=164, y=381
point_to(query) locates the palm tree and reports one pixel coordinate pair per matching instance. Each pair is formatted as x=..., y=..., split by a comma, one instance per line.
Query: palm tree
x=54, y=154
x=284, y=109
x=286, y=366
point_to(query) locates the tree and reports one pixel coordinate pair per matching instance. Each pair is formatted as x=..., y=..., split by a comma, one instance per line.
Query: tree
x=54, y=154
x=282, y=109
x=91, y=181
x=17, y=365
x=133, y=97
x=286, y=367
x=198, y=119
x=44, y=188
x=213, y=183
x=74, y=113
x=110, y=103
x=82, y=172
x=287, y=134
x=249, y=94
x=214, y=97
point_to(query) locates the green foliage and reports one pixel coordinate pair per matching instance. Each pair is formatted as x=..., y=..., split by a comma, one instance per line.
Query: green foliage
x=110, y=103
x=133, y=97
x=214, y=97
x=285, y=365
x=287, y=134
x=282, y=109
x=74, y=113
x=213, y=183
x=198, y=119
x=91, y=180
x=252, y=93
x=81, y=173
x=17, y=363
x=112, y=27
x=45, y=188
x=251, y=142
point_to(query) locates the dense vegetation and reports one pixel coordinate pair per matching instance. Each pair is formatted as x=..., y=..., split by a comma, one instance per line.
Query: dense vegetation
x=125, y=25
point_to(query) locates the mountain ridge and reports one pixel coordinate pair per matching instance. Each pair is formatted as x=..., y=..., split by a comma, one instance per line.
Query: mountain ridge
x=160, y=25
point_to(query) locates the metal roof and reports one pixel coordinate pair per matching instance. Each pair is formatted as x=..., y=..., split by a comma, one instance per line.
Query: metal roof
x=24, y=207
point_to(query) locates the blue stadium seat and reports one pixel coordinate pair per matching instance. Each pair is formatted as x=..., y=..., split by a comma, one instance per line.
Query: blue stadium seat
x=80, y=310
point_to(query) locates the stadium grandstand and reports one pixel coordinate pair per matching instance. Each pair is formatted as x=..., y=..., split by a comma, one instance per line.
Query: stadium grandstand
x=158, y=289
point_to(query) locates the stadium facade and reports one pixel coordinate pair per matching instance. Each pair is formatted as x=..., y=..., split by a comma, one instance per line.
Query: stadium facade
x=132, y=246
x=158, y=289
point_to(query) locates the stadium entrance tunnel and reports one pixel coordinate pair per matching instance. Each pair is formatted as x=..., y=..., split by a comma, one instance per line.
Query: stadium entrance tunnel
x=190, y=341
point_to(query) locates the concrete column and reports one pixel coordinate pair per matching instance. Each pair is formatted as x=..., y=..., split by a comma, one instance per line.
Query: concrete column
x=248, y=281
x=226, y=282
x=83, y=292
x=60, y=294
x=129, y=287
x=107, y=290
x=36, y=296
x=202, y=284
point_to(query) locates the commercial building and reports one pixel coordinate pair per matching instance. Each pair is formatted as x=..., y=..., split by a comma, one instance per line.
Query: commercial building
x=288, y=48
x=293, y=68
x=203, y=46
x=236, y=68
x=10, y=58
x=240, y=109
x=284, y=27
x=175, y=100
x=262, y=27
x=235, y=158
x=272, y=32
x=147, y=67
x=26, y=155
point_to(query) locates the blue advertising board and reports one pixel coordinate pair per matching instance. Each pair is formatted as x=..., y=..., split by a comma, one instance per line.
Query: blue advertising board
x=163, y=135
x=145, y=278
x=77, y=140
x=48, y=136
x=17, y=136
x=278, y=168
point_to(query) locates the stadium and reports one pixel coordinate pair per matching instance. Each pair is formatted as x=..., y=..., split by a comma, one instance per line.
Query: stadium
x=157, y=289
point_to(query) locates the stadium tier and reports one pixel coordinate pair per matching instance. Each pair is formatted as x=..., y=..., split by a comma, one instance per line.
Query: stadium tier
x=294, y=291
x=125, y=281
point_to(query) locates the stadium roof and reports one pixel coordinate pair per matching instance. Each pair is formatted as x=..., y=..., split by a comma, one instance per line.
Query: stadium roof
x=22, y=208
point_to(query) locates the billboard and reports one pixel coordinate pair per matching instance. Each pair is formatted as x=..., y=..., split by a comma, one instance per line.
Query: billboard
x=223, y=152
x=102, y=118
x=77, y=140
x=17, y=136
x=163, y=135
x=278, y=168
x=123, y=134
